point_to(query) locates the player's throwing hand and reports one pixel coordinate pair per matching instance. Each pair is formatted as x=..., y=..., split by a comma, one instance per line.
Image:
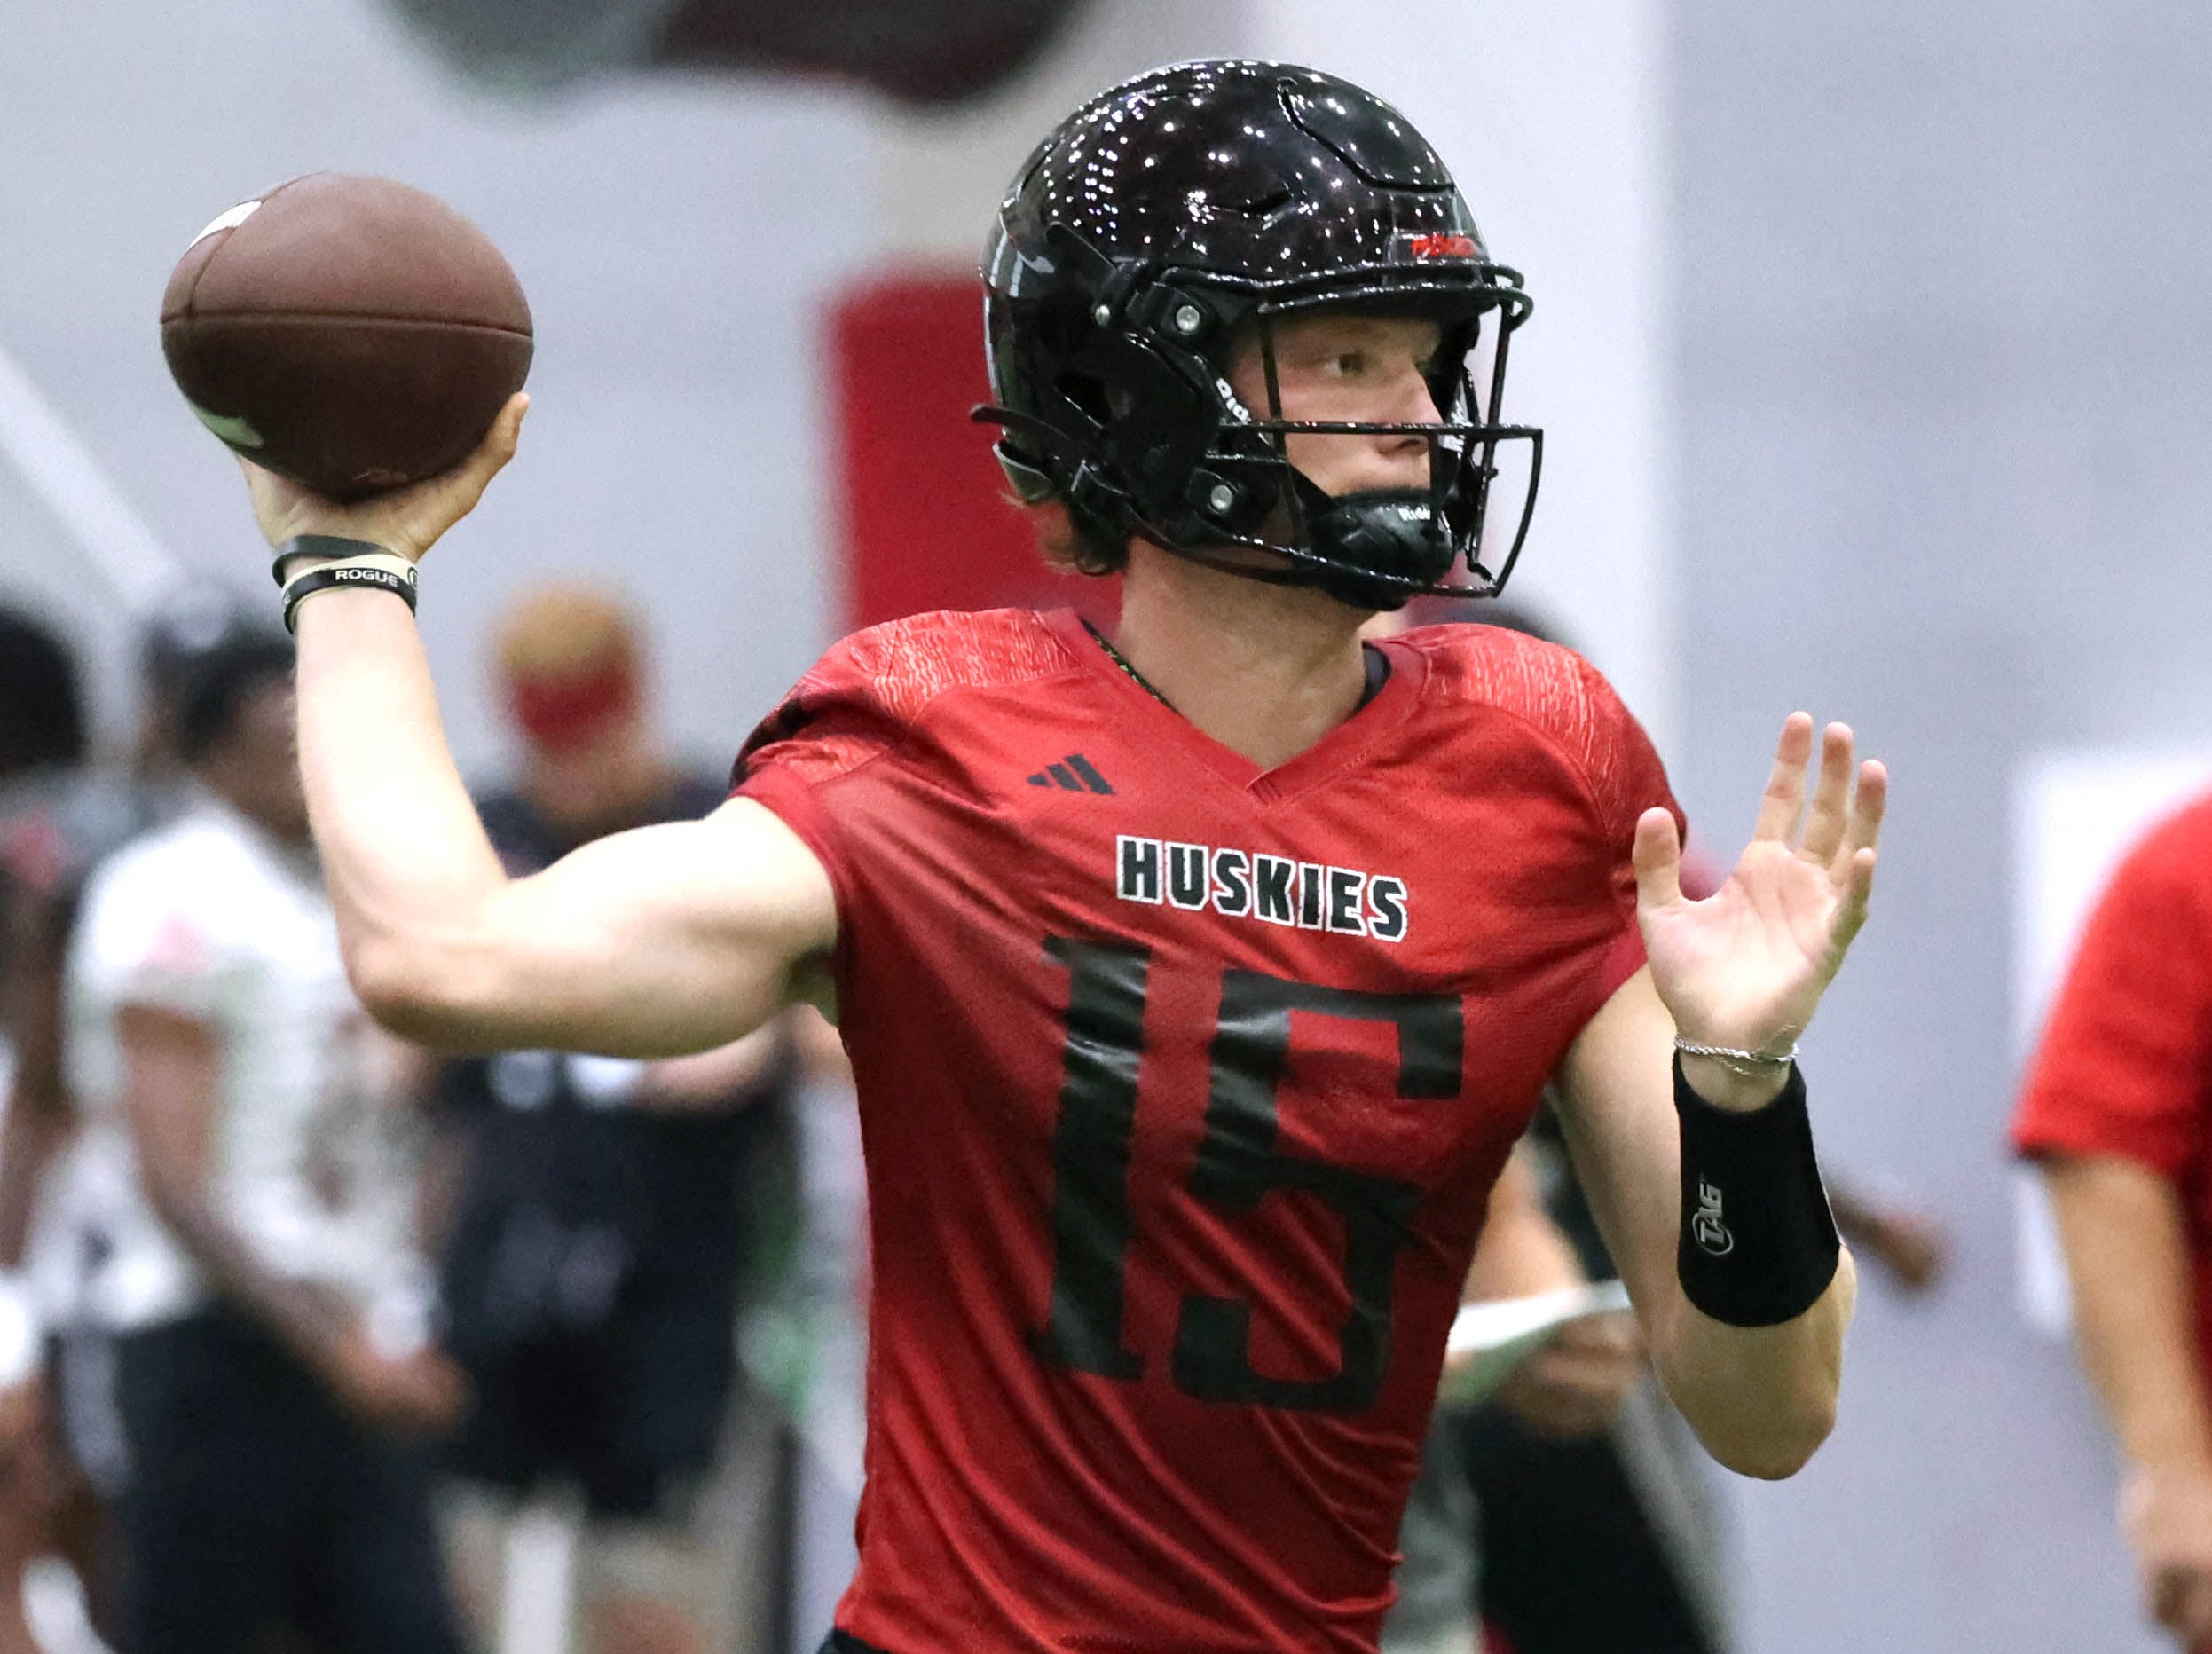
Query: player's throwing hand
x=1745, y=968
x=408, y=520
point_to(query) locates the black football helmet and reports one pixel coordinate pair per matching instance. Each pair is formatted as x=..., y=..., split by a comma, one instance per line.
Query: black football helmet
x=1149, y=232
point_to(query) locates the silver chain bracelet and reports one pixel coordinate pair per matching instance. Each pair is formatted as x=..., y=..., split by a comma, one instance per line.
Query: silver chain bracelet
x=1735, y=1058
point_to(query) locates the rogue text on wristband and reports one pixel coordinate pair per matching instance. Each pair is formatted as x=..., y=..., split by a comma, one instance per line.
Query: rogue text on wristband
x=377, y=572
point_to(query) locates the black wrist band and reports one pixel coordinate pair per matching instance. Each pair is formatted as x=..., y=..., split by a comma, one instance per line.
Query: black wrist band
x=320, y=545
x=344, y=574
x=1758, y=1244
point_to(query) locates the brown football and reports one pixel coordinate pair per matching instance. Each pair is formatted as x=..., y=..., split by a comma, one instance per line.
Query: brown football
x=352, y=334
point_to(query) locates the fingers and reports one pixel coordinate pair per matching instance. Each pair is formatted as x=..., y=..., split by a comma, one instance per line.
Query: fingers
x=412, y=519
x=1859, y=879
x=1659, y=858
x=1784, y=796
x=1856, y=882
x=1868, y=807
x=408, y=520
x=1842, y=821
x=506, y=433
x=272, y=498
x=493, y=453
x=1825, y=825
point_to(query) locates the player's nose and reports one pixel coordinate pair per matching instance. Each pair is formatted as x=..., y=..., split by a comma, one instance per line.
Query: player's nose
x=1410, y=403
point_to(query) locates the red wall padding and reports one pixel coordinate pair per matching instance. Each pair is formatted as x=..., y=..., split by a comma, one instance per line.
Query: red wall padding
x=927, y=521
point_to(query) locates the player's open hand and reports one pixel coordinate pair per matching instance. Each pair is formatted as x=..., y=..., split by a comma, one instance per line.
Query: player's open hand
x=1745, y=968
x=408, y=520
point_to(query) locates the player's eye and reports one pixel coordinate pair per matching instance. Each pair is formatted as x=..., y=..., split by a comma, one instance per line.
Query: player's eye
x=1349, y=364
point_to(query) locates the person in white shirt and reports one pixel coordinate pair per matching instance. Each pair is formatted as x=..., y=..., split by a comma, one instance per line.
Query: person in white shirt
x=261, y=1278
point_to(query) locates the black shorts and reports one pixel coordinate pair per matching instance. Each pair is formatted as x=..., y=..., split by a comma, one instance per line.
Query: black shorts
x=255, y=1503
x=630, y=1411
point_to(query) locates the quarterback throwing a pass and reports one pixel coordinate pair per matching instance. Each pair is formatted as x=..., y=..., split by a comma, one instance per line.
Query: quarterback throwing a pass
x=1198, y=978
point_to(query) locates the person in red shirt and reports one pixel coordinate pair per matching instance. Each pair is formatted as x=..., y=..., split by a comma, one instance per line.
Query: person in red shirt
x=1197, y=978
x=2117, y=1111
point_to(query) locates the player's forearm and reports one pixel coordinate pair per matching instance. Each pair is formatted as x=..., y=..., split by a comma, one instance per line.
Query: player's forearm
x=410, y=870
x=312, y=1322
x=174, y=1065
x=2127, y=1254
x=1760, y=1398
x=1762, y=1290
x=31, y=1135
x=38, y=1120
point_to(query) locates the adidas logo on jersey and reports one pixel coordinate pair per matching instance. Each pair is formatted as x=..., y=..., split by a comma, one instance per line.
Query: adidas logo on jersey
x=1072, y=774
x=1272, y=889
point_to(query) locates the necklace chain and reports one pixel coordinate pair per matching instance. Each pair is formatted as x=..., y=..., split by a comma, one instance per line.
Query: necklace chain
x=1121, y=660
x=1378, y=670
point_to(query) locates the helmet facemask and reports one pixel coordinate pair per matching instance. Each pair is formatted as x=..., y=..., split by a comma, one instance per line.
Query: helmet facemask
x=1372, y=548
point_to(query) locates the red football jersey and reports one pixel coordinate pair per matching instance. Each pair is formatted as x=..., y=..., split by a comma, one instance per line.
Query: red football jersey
x=2124, y=1066
x=1183, y=1086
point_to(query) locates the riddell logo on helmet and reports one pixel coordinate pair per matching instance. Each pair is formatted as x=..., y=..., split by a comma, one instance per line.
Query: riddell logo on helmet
x=1436, y=244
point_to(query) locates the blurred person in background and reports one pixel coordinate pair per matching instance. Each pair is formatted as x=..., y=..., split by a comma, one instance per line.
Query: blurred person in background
x=602, y=1211
x=43, y=744
x=42, y=727
x=269, y=1307
x=2116, y=1111
x=58, y=1429
x=1569, y=1389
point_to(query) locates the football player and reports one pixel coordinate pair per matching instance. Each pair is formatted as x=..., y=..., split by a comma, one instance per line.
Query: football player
x=267, y=1306
x=59, y=1437
x=1197, y=977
